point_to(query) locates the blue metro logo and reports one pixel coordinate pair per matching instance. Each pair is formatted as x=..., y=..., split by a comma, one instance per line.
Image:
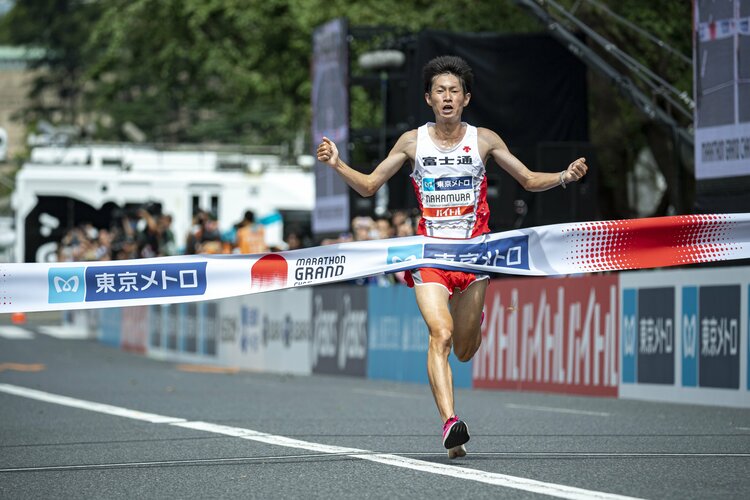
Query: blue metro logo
x=66, y=284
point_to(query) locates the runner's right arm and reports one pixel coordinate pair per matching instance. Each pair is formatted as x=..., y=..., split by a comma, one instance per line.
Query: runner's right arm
x=368, y=184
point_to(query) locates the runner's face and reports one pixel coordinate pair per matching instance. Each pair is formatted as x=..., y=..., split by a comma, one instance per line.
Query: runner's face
x=447, y=98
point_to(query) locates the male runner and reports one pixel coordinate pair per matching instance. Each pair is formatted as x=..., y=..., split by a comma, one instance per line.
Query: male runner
x=448, y=159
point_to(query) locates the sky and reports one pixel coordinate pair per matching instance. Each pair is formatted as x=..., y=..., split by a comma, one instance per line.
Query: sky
x=5, y=6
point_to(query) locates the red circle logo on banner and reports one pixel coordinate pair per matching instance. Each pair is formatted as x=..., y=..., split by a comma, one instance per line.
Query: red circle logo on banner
x=269, y=272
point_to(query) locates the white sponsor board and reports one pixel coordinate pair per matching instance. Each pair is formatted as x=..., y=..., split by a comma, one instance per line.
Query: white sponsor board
x=700, y=333
x=268, y=332
x=722, y=151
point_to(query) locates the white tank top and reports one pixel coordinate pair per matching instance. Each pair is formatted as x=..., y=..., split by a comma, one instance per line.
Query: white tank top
x=451, y=187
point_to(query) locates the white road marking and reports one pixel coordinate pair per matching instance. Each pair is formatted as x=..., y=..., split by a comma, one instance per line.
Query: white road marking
x=63, y=332
x=87, y=405
x=557, y=410
x=504, y=480
x=744, y=428
x=15, y=333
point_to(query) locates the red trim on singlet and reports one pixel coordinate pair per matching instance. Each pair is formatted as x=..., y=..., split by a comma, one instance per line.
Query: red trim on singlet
x=481, y=224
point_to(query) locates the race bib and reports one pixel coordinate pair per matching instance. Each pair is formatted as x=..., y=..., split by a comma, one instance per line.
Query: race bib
x=447, y=196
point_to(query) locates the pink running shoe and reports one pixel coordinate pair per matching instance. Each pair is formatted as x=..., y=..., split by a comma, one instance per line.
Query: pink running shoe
x=455, y=435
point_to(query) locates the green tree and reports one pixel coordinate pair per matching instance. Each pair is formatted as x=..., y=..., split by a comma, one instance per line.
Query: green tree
x=238, y=71
x=231, y=70
x=62, y=28
x=196, y=70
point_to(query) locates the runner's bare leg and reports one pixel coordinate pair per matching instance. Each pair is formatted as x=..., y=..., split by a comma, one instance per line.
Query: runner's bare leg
x=466, y=310
x=432, y=300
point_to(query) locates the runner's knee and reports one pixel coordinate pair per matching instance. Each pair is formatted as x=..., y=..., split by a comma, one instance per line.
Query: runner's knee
x=441, y=338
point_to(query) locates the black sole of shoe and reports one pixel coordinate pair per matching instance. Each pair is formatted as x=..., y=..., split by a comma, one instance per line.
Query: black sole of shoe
x=458, y=435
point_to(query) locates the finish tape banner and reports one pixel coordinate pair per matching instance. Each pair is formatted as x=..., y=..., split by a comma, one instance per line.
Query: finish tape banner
x=543, y=251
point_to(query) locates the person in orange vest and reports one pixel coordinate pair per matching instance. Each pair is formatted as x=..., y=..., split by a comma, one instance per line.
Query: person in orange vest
x=251, y=237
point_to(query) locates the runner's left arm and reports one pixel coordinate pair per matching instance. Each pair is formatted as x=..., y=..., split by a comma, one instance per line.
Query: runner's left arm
x=530, y=180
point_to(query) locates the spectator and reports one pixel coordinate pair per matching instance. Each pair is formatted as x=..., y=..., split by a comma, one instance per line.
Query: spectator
x=210, y=241
x=103, y=249
x=71, y=246
x=148, y=235
x=251, y=237
x=399, y=217
x=384, y=228
x=293, y=240
x=124, y=245
x=405, y=229
x=167, y=245
x=195, y=234
x=363, y=228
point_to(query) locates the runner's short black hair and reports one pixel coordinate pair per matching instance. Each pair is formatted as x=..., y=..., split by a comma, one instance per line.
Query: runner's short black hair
x=453, y=65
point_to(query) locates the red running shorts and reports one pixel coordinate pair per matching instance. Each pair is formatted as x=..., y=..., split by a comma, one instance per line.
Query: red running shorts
x=451, y=280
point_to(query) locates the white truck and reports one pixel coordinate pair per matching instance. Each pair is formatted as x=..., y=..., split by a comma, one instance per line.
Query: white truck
x=61, y=187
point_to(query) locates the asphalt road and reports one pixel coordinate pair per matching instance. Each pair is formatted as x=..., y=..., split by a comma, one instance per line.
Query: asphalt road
x=334, y=437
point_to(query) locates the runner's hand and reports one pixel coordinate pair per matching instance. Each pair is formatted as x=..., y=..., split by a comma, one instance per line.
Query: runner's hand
x=328, y=153
x=575, y=170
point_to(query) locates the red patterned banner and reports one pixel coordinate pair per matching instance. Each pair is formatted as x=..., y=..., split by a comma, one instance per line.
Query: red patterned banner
x=656, y=242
